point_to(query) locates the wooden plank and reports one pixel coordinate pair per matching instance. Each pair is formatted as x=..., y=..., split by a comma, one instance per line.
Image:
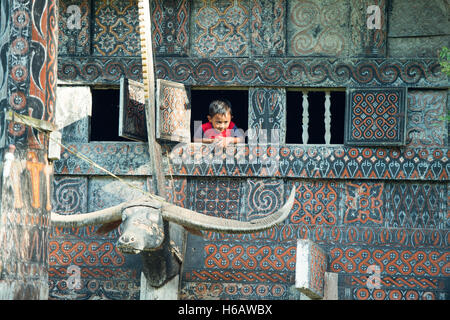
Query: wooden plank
x=29, y=121
x=173, y=112
x=132, y=120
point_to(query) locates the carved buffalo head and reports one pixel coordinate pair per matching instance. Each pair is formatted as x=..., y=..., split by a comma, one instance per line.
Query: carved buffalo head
x=143, y=229
x=142, y=221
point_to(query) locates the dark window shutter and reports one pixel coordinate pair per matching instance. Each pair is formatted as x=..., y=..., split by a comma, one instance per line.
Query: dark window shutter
x=132, y=123
x=375, y=117
x=173, y=112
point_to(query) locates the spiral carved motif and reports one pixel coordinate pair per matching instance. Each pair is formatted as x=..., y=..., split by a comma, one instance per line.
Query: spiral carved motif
x=264, y=198
x=69, y=195
x=317, y=29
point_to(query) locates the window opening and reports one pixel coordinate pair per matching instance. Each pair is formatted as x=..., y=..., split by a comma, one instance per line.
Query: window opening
x=200, y=100
x=105, y=115
x=315, y=116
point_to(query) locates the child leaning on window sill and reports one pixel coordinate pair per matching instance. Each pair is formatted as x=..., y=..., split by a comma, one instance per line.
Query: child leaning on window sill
x=219, y=129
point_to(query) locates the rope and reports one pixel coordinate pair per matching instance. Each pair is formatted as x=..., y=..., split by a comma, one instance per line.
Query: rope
x=86, y=159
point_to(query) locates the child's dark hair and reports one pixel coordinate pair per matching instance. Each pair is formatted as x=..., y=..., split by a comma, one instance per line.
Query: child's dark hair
x=219, y=107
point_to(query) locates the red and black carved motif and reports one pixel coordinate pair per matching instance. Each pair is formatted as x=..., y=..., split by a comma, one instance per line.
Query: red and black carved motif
x=221, y=198
x=173, y=111
x=238, y=270
x=375, y=116
x=386, y=273
x=82, y=263
x=170, y=27
x=262, y=72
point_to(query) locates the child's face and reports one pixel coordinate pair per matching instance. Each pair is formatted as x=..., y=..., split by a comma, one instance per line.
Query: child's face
x=220, y=121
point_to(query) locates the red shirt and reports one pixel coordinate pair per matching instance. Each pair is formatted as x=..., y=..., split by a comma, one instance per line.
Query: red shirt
x=210, y=133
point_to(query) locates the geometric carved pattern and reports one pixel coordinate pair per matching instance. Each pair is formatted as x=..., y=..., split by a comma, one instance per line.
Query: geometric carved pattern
x=238, y=270
x=249, y=257
x=264, y=197
x=267, y=27
x=220, y=28
x=173, y=116
x=317, y=203
x=256, y=72
x=69, y=195
x=402, y=273
x=407, y=287
x=294, y=162
x=301, y=72
x=121, y=158
x=115, y=31
x=101, y=267
x=350, y=234
x=363, y=202
x=312, y=162
x=391, y=261
x=376, y=116
x=416, y=205
x=219, y=198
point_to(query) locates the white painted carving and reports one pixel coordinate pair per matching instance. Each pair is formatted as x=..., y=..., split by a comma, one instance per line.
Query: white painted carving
x=327, y=118
x=305, y=118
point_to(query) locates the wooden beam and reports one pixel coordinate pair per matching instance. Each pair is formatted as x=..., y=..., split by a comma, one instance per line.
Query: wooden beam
x=29, y=121
x=148, y=72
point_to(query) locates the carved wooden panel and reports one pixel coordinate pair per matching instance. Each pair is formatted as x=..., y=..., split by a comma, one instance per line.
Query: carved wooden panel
x=268, y=28
x=74, y=28
x=267, y=115
x=170, y=26
x=317, y=28
x=369, y=27
x=375, y=116
x=426, y=126
x=115, y=29
x=132, y=110
x=310, y=267
x=173, y=113
x=220, y=28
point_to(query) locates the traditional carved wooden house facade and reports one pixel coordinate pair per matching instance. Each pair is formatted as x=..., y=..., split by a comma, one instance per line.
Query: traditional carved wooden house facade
x=342, y=100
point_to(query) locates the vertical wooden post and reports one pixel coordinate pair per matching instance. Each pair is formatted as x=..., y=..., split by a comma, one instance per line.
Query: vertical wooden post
x=28, y=39
x=305, y=117
x=327, y=118
x=154, y=148
x=170, y=289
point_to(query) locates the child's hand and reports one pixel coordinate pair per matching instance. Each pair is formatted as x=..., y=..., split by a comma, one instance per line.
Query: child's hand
x=223, y=141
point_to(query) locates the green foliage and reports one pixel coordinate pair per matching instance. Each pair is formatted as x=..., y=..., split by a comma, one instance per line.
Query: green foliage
x=444, y=60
